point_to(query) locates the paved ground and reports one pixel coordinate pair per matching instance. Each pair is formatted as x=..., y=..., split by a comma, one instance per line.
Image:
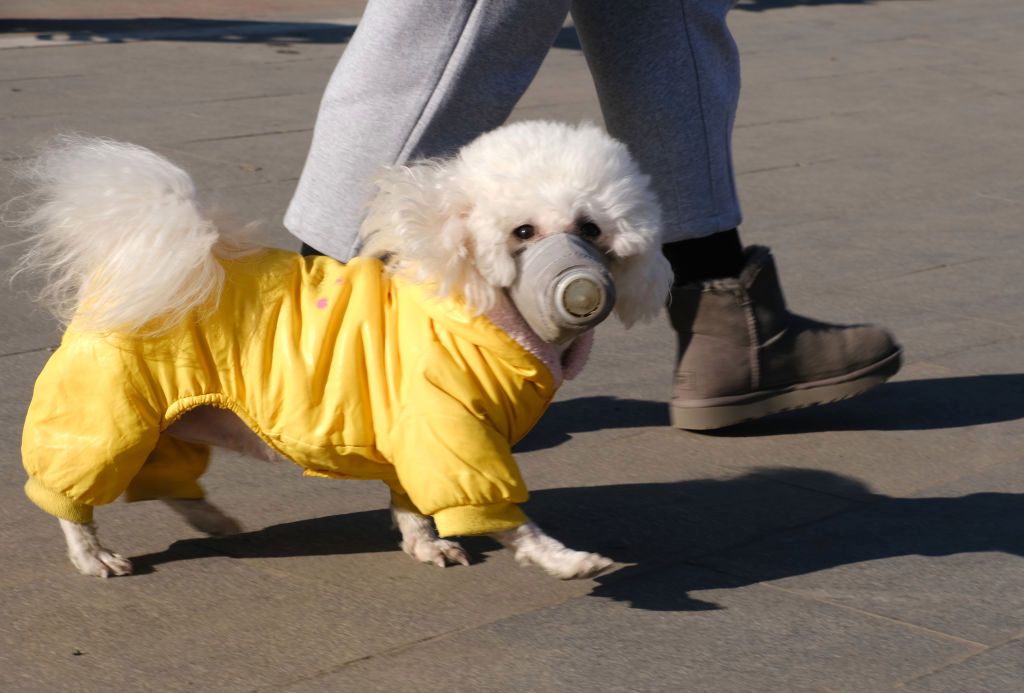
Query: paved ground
x=873, y=544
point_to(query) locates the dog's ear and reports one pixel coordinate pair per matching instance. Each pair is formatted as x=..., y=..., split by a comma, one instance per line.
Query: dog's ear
x=643, y=277
x=642, y=284
x=491, y=251
x=421, y=218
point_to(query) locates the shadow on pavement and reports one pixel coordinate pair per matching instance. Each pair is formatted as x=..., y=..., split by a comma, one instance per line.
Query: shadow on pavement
x=362, y=532
x=908, y=405
x=179, y=29
x=911, y=405
x=201, y=30
x=582, y=414
x=685, y=537
x=763, y=5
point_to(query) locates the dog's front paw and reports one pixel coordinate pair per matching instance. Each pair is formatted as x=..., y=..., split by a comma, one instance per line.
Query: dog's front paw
x=439, y=552
x=567, y=564
x=102, y=563
x=204, y=516
x=88, y=556
x=531, y=546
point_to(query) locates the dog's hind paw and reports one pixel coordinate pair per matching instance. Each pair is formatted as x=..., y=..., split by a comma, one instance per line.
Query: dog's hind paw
x=440, y=552
x=102, y=564
x=204, y=516
x=88, y=556
x=420, y=540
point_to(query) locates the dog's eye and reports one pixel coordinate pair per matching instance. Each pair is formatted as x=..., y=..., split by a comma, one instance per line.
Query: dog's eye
x=524, y=232
x=590, y=230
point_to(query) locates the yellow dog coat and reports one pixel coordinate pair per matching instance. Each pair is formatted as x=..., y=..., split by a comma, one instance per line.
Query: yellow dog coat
x=348, y=372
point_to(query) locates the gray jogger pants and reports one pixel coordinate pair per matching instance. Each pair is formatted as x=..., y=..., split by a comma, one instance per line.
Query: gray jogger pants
x=421, y=78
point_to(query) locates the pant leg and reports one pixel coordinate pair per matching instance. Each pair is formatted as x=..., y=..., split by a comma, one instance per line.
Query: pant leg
x=172, y=470
x=419, y=79
x=667, y=75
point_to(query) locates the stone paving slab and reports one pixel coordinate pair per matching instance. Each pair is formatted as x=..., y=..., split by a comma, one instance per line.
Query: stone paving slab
x=998, y=669
x=689, y=629
x=866, y=545
x=948, y=560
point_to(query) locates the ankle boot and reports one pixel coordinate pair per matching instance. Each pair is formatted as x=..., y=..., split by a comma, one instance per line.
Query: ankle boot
x=742, y=355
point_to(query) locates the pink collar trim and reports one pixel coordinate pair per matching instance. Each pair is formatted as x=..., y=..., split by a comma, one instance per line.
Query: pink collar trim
x=565, y=363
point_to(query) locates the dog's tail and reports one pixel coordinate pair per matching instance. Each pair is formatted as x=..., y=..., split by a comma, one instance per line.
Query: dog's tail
x=120, y=236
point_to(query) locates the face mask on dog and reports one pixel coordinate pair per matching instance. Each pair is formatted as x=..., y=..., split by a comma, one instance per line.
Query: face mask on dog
x=562, y=287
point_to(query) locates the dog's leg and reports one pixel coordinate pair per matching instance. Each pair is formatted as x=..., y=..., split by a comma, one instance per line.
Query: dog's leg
x=204, y=516
x=420, y=540
x=88, y=555
x=531, y=546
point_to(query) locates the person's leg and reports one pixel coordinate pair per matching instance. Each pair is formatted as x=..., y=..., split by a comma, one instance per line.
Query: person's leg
x=667, y=74
x=419, y=79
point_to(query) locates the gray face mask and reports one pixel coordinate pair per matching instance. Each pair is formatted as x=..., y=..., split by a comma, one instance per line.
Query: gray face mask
x=562, y=287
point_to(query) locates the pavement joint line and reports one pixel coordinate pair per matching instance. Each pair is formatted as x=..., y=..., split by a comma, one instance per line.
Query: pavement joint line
x=552, y=104
x=245, y=136
x=887, y=71
x=955, y=662
x=233, y=99
x=764, y=226
x=397, y=649
x=803, y=119
x=1016, y=329
x=103, y=109
x=42, y=77
x=979, y=647
x=1008, y=200
x=30, y=351
x=253, y=184
x=243, y=28
x=645, y=572
x=932, y=358
x=202, y=157
x=923, y=270
x=784, y=167
x=749, y=541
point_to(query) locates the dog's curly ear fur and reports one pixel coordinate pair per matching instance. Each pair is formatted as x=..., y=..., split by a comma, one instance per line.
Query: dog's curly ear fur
x=491, y=253
x=422, y=220
x=643, y=277
x=642, y=283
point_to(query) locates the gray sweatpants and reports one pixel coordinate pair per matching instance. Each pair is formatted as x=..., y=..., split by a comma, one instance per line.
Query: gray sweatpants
x=421, y=78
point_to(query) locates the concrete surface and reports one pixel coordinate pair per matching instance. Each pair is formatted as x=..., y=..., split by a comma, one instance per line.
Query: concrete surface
x=869, y=545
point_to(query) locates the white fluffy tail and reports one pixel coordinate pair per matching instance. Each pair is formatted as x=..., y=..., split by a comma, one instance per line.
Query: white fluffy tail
x=120, y=236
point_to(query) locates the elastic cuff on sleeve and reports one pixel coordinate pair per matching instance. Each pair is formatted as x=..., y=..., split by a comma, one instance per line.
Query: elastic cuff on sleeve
x=58, y=504
x=466, y=520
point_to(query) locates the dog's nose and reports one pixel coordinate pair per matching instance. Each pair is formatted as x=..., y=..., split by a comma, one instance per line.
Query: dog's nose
x=563, y=287
x=582, y=296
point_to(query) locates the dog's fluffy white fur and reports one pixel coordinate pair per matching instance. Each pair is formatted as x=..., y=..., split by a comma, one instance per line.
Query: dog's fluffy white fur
x=548, y=175
x=103, y=210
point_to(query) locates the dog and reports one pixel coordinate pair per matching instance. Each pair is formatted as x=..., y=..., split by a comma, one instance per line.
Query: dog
x=418, y=363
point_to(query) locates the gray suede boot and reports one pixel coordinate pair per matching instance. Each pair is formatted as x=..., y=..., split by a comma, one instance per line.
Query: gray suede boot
x=742, y=355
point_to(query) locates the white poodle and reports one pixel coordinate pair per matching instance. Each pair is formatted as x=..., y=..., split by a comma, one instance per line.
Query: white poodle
x=419, y=363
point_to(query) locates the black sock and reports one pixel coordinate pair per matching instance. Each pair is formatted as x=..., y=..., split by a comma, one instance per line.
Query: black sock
x=308, y=250
x=712, y=257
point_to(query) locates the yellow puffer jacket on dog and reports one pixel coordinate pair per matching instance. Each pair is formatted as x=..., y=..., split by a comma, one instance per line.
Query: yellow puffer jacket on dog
x=346, y=371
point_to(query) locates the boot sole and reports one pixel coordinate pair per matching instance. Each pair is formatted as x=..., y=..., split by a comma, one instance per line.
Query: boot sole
x=729, y=411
